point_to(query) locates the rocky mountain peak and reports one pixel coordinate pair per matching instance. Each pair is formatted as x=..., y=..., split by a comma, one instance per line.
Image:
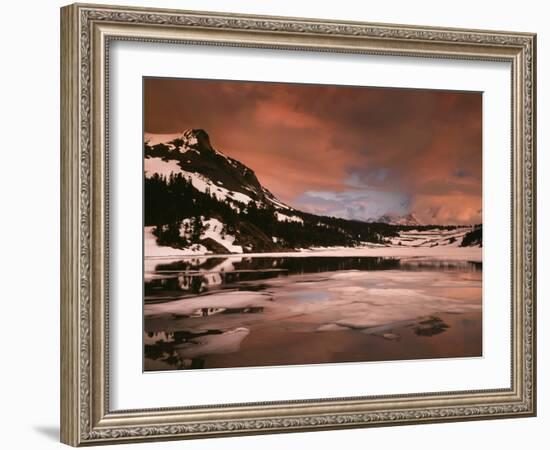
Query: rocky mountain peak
x=392, y=219
x=196, y=138
x=208, y=167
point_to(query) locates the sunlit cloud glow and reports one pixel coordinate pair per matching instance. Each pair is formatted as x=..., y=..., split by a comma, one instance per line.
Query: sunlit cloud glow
x=352, y=152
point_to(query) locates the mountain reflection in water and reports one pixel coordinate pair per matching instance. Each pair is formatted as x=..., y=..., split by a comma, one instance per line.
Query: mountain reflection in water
x=212, y=312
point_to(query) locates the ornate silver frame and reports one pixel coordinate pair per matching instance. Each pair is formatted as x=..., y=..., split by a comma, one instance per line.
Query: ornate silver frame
x=86, y=31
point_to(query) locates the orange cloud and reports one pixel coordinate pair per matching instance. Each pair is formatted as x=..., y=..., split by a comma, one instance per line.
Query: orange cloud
x=420, y=145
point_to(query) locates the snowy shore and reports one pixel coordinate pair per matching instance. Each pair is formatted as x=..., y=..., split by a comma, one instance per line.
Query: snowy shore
x=155, y=252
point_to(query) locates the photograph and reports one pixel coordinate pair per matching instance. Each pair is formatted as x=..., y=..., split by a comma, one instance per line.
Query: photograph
x=288, y=223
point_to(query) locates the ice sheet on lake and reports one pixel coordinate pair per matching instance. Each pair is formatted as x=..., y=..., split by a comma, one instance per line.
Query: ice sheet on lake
x=353, y=300
x=188, y=306
x=227, y=342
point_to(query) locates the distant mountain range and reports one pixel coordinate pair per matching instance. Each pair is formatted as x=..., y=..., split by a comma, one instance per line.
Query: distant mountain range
x=199, y=200
x=392, y=219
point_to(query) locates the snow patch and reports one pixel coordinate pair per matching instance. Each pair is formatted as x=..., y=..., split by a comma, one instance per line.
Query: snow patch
x=284, y=218
x=393, y=219
x=203, y=184
x=214, y=229
x=152, y=249
x=199, y=182
x=276, y=202
x=153, y=252
x=161, y=167
x=430, y=238
x=154, y=139
x=473, y=254
x=187, y=306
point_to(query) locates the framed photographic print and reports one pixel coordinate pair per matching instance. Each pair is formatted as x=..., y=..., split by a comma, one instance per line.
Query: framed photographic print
x=274, y=224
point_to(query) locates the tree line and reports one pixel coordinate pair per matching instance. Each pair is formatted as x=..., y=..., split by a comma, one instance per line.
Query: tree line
x=168, y=201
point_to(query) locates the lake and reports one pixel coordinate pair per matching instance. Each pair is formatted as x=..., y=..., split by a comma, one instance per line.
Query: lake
x=243, y=311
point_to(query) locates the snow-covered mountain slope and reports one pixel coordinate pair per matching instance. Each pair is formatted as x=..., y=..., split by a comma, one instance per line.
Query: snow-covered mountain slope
x=216, y=231
x=392, y=219
x=199, y=200
x=434, y=237
x=209, y=170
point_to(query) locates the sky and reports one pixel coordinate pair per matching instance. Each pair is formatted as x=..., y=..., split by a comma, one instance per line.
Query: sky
x=345, y=151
